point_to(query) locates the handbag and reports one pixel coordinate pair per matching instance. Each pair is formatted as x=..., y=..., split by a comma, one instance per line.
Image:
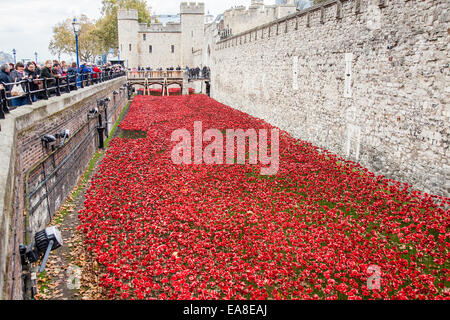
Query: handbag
x=17, y=90
x=40, y=84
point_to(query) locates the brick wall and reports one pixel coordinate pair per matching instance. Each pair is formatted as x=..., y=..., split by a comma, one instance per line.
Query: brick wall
x=22, y=132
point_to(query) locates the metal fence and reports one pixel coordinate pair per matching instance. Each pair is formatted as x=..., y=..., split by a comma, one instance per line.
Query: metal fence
x=47, y=87
x=141, y=74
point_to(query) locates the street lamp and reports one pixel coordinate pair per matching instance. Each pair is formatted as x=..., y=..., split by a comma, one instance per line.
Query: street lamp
x=36, y=56
x=14, y=53
x=76, y=31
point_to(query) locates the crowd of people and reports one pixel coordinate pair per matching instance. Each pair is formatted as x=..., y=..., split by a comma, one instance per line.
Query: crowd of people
x=48, y=72
x=197, y=73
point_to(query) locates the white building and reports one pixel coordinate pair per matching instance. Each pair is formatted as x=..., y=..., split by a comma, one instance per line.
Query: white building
x=171, y=44
x=179, y=40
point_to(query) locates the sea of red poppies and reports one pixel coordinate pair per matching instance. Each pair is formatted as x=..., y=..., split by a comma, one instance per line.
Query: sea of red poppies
x=316, y=230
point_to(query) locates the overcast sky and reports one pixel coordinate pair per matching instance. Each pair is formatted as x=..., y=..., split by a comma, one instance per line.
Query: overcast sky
x=26, y=25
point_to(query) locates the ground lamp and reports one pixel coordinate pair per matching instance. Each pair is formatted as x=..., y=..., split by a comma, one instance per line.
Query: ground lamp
x=48, y=140
x=45, y=241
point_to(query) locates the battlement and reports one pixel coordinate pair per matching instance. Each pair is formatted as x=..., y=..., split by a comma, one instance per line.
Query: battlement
x=124, y=14
x=160, y=27
x=192, y=8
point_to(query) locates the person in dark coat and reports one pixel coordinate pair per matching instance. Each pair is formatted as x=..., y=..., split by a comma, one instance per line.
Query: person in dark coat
x=46, y=73
x=33, y=76
x=4, y=76
x=71, y=74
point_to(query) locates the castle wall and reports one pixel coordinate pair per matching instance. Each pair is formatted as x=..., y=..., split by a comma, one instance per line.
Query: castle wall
x=365, y=79
x=187, y=37
x=192, y=30
x=161, y=55
x=241, y=19
x=128, y=37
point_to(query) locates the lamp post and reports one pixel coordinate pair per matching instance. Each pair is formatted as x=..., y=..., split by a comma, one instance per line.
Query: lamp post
x=36, y=56
x=76, y=31
x=14, y=53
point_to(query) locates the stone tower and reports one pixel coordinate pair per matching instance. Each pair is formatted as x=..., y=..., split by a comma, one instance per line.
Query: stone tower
x=192, y=30
x=128, y=26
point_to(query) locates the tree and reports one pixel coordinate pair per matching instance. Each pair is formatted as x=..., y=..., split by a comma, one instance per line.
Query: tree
x=63, y=40
x=107, y=31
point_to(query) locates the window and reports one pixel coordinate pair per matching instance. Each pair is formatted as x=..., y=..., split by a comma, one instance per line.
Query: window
x=150, y=49
x=173, y=49
x=192, y=32
x=144, y=36
x=130, y=46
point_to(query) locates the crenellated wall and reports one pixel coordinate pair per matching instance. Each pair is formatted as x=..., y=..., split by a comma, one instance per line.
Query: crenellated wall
x=240, y=18
x=161, y=45
x=366, y=79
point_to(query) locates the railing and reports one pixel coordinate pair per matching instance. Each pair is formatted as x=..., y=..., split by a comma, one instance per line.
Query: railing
x=193, y=74
x=143, y=74
x=48, y=87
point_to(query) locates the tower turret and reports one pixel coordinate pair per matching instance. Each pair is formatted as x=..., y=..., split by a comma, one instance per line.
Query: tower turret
x=128, y=27
x=192, y=30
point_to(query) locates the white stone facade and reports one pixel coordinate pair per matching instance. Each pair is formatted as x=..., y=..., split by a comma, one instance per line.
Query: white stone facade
x=162, y=45
x=182, y=43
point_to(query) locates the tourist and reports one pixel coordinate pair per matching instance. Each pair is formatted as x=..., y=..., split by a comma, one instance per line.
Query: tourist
x=17, y=75
x=46, y=73
x=85, y=69
x=37, y=68
x=57, y=72
x=72, y=70
x=33, y=75
x=64, y=68
x=96, y=70
x=4, y=76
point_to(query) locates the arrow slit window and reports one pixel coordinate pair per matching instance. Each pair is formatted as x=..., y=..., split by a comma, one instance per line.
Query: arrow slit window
x=348, y=75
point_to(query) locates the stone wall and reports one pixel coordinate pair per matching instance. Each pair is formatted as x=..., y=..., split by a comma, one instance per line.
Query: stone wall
x=366, y=79
x=161, y=55
x=187, y=37
x=240, y=19
x=21, y=149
